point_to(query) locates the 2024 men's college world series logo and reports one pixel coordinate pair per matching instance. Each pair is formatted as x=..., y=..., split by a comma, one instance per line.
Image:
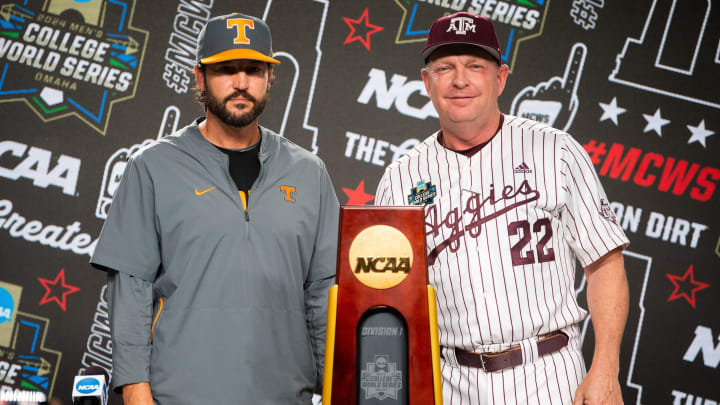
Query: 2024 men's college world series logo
x=381, y=379
x=27, y=368
x=70, y=58
x=514, y=20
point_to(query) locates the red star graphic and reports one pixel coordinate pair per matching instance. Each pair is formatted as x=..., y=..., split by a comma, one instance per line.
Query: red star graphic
x=371, y=30
x=49, y=284
x=677, y=280
x=358, y=196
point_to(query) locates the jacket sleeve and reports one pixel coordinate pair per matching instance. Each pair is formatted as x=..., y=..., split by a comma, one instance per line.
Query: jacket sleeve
x=130, y=303
x=129, y=241
x=322, y=272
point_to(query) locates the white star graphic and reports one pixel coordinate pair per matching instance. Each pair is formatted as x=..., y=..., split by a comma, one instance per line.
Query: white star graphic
x=655, y=122
x=699, y=133
x=611, y=111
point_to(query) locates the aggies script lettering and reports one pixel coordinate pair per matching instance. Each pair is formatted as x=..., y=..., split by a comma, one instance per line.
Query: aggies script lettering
x=474, y=206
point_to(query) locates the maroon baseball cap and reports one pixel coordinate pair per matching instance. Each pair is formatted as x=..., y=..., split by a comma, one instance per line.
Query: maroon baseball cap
x=463, y=28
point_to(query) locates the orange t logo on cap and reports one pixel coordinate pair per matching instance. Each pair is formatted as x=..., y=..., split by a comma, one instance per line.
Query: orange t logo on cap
x=240, y=24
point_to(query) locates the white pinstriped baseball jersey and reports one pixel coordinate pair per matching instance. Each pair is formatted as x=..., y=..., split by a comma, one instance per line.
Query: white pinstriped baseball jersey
x=504, y=230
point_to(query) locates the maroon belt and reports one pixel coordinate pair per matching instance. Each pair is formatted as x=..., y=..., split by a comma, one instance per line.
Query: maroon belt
x=510, y=357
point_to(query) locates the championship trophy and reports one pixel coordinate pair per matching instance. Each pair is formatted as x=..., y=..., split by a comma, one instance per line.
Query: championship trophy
x=382, y=343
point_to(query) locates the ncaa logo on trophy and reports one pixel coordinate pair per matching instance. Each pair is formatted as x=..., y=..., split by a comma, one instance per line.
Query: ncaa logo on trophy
x=380, y=256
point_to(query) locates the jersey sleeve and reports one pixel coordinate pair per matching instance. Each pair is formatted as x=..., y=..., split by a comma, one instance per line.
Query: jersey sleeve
x=592, y=227
x=383, y=194
x=129, y=241
x=130, y=302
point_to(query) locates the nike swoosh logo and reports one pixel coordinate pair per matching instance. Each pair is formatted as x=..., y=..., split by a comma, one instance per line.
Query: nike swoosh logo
x=198, y=192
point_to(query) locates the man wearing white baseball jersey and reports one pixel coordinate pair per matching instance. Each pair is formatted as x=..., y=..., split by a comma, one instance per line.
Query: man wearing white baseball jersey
x=510, y=205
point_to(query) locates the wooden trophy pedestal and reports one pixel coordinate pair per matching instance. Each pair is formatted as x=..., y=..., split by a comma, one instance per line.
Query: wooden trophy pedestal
x=382, y=324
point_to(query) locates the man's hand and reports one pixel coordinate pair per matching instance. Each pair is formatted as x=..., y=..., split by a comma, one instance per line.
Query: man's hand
x=598, y=388
x=137, y=394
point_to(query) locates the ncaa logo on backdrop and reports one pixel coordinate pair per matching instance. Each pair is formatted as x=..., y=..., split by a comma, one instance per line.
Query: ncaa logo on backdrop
x=7, y=306
x=515, y=21
x=9, y=303
x=70, y=58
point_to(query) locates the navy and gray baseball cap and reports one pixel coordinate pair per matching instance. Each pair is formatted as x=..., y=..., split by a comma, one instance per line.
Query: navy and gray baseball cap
x=234, y=36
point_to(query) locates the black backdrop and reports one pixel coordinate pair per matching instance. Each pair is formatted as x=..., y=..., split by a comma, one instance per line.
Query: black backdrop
x=85, y=83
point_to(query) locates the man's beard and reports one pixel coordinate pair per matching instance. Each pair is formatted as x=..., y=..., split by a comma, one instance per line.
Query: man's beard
x=215, y=106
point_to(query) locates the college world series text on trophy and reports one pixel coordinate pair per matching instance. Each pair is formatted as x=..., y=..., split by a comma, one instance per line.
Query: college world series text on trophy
x=382, y=343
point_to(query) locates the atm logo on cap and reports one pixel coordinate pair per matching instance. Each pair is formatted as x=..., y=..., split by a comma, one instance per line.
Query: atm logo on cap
x=241, y=24
x=88, y=385
x=461, y=25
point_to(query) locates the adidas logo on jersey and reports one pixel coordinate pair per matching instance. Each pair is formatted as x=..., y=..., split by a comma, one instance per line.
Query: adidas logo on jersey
x=523, y=168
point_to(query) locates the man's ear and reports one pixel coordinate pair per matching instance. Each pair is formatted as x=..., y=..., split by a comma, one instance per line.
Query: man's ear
x=502, y=75
x=426, y=80
x=200, y=78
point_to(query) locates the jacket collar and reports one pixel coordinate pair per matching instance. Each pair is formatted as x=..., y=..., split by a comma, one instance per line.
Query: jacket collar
x=192, y=141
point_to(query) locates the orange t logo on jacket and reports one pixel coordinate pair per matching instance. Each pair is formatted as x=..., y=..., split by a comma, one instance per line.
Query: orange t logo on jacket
x=289, y=191
x=240, y=25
